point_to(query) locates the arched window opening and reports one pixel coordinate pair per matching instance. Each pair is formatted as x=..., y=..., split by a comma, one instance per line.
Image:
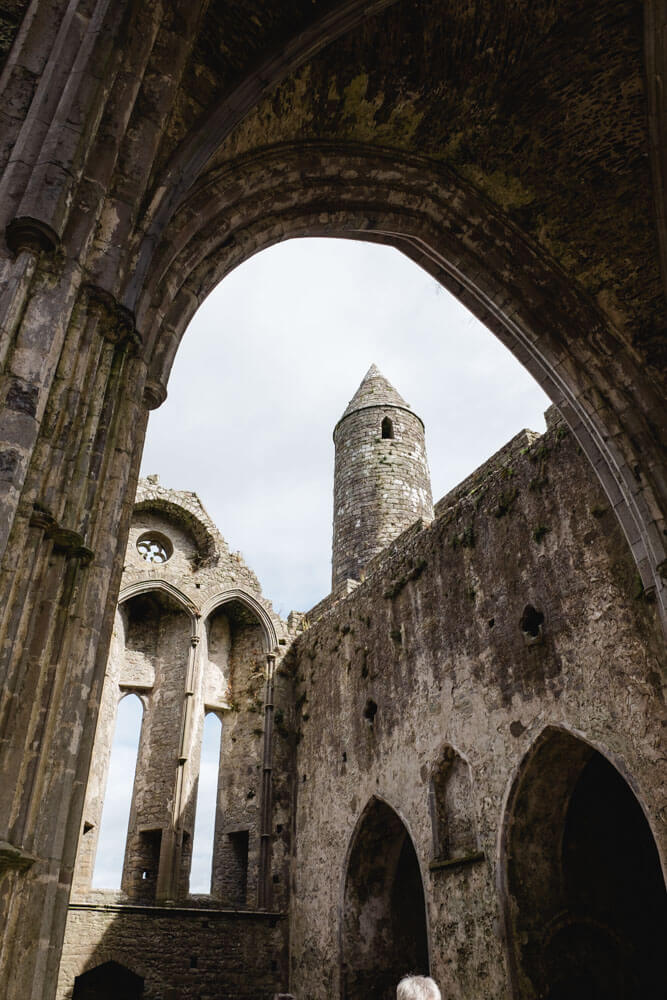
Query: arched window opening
x=587, y=906
x=384, y=919
x=201, y=871
x=387, y=428
x=118, y=796
x=452, y=808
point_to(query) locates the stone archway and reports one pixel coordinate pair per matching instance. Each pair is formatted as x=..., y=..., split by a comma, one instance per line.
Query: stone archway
x=108, y=981
x=383, y=933
x=586, y=906
x=120, y=114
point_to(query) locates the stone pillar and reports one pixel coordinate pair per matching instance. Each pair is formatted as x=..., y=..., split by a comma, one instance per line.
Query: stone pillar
x=82, y=445
x=266, y=811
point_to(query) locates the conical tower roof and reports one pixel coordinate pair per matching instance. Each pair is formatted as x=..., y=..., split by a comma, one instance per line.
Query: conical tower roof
x=375, y=390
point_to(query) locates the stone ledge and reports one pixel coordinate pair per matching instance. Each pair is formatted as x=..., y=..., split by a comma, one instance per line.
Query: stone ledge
x=177, y=911
x=465, y=859
x=14, y=858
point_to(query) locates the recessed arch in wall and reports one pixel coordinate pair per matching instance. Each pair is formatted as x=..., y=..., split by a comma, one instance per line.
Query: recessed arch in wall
x=172, y=593
x=584, y=894
x=452, y=807
x=383, y=924
x=201, y=530
x=252, y=605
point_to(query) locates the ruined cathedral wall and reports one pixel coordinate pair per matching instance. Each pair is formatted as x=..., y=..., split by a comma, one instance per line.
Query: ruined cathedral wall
x=433, y=655
x=190, y=638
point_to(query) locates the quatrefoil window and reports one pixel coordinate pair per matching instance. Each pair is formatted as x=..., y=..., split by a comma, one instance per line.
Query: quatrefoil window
x=154, y=547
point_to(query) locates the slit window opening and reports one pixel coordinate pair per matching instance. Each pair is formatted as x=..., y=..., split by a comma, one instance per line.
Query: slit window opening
x=118, y=796
x=207, y=797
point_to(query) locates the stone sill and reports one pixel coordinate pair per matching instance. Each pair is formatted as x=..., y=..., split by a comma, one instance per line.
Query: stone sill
x=177, y=911
x=465, y=859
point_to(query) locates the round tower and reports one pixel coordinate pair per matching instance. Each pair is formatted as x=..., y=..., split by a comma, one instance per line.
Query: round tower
x=381, y=478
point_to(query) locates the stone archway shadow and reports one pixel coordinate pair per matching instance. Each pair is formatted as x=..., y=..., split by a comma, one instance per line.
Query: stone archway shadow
x=382, y=923
x=585, y=905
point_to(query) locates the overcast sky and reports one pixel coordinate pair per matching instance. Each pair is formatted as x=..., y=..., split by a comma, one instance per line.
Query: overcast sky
x=265, y=370
x=270, y=362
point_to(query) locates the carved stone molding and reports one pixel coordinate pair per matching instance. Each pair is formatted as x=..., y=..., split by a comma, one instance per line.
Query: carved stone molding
x=24, y=233
x=154, y=395
x=116, y=322
x=66, y=541
x=14, y=858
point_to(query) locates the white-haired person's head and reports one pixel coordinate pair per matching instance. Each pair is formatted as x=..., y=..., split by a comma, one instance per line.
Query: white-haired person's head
x=417, y=988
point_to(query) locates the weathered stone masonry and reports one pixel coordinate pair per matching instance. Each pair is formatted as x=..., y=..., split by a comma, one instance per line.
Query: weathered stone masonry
x=437, y=639
x=193, y=635
x=381, y=478
x=147, y=149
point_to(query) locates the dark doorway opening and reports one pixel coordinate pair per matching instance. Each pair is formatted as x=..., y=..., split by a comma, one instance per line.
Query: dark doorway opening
x=384, y=920
x=110, y=981
x=588, y=907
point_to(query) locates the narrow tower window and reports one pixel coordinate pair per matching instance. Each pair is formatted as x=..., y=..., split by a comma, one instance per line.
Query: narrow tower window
x=118, y=797
x=207, y=798
x=387, y=428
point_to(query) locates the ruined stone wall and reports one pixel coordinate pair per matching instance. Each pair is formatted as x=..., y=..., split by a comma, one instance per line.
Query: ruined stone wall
x=192, y=951
x=381, y=486
x=436, y=662
x=193, y=635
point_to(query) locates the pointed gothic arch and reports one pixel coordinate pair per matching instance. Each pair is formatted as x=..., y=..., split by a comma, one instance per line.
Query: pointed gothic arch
x=384, y=931
x=584, y=894
x=108, y=981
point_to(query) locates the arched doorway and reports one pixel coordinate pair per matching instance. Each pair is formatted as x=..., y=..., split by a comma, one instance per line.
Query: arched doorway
x=384, y=933
x=108, y=981
x=586, y=905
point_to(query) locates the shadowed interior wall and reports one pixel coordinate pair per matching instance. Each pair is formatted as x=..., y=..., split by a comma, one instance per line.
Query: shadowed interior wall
x=586, y=892
x=384, y=916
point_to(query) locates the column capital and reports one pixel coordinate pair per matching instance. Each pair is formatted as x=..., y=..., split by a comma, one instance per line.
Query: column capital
x=25, y=233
